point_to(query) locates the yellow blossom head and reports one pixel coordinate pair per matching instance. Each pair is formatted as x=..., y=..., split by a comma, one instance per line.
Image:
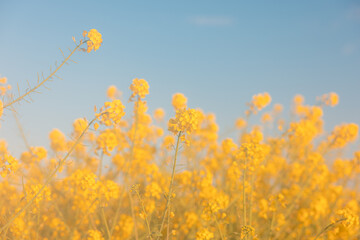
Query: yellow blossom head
x=258, y=102
x=111, y=113
x=159, y=114
x=112, y=92
x=204, y=234
x=298, y=99
x=330, y=99
x=343, y=134
x=351, y=219
x=8, y=164
x=139, y=87
x=266, y=117
x=240, y=123
x=80, y=125
x=278, y=108
x=3, y=80
x=58, y=140
x=261, y=100
x=247, y=231
x=94, y=235
x=186, y=120
x=179, y=101
x=95, y=40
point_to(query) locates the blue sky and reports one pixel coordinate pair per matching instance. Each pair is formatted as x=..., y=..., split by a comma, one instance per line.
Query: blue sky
x=218, y=53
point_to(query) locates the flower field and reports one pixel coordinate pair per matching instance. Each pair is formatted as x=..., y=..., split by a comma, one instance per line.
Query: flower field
x=131, y=174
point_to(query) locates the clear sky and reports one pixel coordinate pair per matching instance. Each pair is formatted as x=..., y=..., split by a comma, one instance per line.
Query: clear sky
x=217, y=53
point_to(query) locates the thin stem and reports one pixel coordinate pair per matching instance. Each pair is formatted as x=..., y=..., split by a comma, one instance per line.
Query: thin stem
x=100, y=164
x=271, y=225
x=134, y=217
x=106, y=225
x=328, y=227
x=171, y=184
x=45, y=80
x=145, y=214
x=117, y=213
x=38, y=223
x=251, y=198
x=168, y=223
x=21, y=130
x=218, y=226
x=244, y=195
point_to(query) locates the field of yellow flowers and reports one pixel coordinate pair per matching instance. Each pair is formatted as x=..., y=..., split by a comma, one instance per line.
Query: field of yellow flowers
x=128, y=178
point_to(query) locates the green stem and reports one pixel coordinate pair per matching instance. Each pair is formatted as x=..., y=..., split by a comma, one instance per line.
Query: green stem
x=43, y=81
x=218, y=226
x=134, y=217
x=271, y=225
x=251, y=198
x=100, y=164
x=145, y=214
x=328, y=227
x=106, y=225
x=244, y=195
x=171, y=184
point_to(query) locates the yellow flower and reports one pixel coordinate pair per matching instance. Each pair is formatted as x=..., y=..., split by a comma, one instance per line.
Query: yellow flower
x=298, y=99
x=186, y=120
x=333, y=99
x=330, y=99
x=57, y=140
x=204, y=234
x=95, y=40
x=261, y=100
x=240, y=123
x=228, y=145
x=80, y=125
x=266, y=118
x=107, y=141
x=278, y=108
x=124, y=227
x=8, y=164
x=139, y=87
x=247, y=231
x=153, y=190
x=3, y=80
x=112, y=92
x=302, y=132
x=32, y=190
x=168, y=141
x=351, y=218
x=179, y=101
x=343, y=134
x=94, y=235
x=111, y=113
x=159, y=114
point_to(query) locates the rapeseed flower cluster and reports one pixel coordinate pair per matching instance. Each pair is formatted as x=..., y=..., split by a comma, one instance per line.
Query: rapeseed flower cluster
x=258, y=102
x=111, y=113
x=186, y=121
x=179, y=101
x=140, y=88
x=94, y=40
